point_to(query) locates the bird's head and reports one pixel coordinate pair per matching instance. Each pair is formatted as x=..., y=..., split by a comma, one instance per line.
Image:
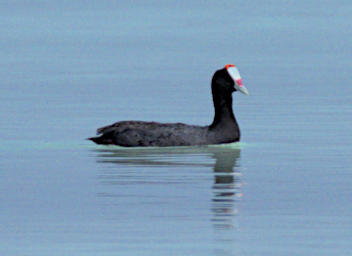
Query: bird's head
x=228, y=79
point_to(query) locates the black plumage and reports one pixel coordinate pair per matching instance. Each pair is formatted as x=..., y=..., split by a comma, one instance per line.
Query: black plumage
x=224, y=128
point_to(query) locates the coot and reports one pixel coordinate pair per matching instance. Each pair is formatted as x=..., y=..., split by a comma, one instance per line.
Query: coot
x=224, y=128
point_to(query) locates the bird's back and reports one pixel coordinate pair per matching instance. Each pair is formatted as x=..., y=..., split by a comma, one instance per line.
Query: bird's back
x=138, y=133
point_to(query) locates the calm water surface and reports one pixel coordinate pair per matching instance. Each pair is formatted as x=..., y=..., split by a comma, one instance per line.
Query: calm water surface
x=67, y=68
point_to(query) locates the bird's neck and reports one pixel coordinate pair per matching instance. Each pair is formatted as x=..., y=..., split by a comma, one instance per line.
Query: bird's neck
x=223, y=111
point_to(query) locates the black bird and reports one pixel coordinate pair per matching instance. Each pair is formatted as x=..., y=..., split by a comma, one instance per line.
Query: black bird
x=224, y=128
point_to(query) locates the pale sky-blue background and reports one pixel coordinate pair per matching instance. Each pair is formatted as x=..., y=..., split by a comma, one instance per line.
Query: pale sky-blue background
x=68, y=67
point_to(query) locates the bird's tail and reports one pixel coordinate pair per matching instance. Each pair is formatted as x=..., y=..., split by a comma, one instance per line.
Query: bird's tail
x=97, y=140
x=104, y=140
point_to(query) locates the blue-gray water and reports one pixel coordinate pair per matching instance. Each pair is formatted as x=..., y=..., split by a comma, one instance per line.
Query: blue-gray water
x=68, y=67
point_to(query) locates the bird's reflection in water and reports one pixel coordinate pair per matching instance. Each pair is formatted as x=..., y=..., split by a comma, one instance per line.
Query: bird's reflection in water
x=226, y=186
